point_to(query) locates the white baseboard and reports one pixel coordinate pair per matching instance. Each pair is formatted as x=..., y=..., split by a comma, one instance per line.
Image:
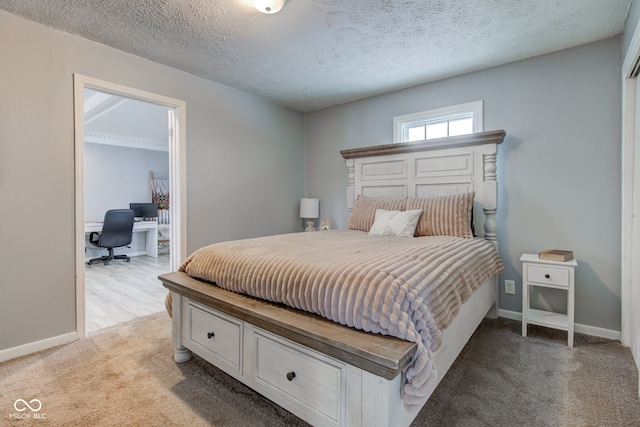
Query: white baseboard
x=23, y=350
x=579, y=328
x=598, y=332
x=32, y=347
x=513, y=315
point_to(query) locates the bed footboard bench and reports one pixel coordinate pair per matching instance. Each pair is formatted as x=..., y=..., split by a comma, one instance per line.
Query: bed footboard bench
x=321, y=371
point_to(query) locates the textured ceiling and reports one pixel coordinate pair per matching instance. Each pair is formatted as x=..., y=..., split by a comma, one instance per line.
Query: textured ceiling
x=318, y=53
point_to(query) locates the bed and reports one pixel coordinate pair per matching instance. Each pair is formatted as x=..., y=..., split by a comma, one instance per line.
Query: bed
x=344, y=340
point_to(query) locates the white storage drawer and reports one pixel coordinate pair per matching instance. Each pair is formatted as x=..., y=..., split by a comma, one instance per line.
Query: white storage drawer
x=217, y=333
x=308, y=380
x=548, y=275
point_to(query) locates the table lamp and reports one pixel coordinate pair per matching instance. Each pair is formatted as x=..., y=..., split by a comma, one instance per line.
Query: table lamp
x=310, y=210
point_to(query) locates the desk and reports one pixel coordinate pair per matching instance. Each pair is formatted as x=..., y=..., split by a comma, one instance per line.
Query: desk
x=150, y=228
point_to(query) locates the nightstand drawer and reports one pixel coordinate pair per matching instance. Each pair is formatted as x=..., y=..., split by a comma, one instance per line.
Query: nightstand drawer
x=548, y=275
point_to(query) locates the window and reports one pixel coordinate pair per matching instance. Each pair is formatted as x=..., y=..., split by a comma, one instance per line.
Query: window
x=455, y=120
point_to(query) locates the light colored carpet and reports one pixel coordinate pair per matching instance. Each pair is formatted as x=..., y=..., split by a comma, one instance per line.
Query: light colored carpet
x=125, y=376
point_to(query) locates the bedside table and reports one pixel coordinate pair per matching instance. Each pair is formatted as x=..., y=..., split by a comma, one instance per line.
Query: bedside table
x=547, y=274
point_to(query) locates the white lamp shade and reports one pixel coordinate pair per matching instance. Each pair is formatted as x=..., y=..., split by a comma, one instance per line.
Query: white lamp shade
x=309, y=208
x=268, y=6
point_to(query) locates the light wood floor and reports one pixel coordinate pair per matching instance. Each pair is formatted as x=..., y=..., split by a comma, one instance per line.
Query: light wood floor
x=122, y=291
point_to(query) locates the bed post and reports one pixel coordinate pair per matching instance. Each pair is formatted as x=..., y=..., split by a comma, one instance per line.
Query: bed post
x=490, y=207
x=490, y=195
x=351, y=186
x=181, y=353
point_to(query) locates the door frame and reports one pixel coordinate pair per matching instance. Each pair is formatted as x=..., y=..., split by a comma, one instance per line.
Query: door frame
x=629, y=296
x=177, y=119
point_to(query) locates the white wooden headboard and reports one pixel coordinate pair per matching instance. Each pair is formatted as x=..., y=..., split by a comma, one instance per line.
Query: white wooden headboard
x=431, y=168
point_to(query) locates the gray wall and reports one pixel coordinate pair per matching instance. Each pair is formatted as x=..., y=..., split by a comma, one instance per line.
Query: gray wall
x=630, y=25
x=244, y=166
x=559, y=166
x=116, y=176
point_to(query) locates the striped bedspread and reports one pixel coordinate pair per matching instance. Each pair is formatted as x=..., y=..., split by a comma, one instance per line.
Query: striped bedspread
x=408, y=288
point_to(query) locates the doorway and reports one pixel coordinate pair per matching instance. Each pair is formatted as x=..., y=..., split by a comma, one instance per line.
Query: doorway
x=95, y=98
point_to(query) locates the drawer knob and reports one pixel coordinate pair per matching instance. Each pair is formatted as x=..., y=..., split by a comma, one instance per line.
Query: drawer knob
x=211, y=335
x=291, y=375
x=547, y=276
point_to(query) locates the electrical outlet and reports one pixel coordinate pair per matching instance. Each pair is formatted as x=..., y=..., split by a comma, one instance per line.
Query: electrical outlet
x=510, y=287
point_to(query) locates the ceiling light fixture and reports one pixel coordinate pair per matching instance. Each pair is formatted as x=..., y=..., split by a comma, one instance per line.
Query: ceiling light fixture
x=269, y=6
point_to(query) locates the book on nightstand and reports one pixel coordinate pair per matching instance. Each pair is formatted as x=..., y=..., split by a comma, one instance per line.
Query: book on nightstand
x=556, y=255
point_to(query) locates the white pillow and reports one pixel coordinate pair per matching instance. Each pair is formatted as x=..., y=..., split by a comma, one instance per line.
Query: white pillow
x=395, y=223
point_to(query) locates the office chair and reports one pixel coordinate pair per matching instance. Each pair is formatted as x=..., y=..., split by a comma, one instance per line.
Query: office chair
x=117, y=231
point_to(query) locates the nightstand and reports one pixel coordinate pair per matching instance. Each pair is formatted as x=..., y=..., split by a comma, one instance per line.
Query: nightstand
x=548, y=274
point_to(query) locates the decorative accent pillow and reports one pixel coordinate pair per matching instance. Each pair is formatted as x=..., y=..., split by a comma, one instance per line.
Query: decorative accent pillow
x=395, y=223
x=363, y=213
x=445, y=215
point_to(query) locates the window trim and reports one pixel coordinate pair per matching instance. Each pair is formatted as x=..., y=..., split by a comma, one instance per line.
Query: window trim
x=474, y=108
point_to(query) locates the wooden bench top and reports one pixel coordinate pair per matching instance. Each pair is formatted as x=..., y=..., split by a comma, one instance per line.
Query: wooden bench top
x=381, y=355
